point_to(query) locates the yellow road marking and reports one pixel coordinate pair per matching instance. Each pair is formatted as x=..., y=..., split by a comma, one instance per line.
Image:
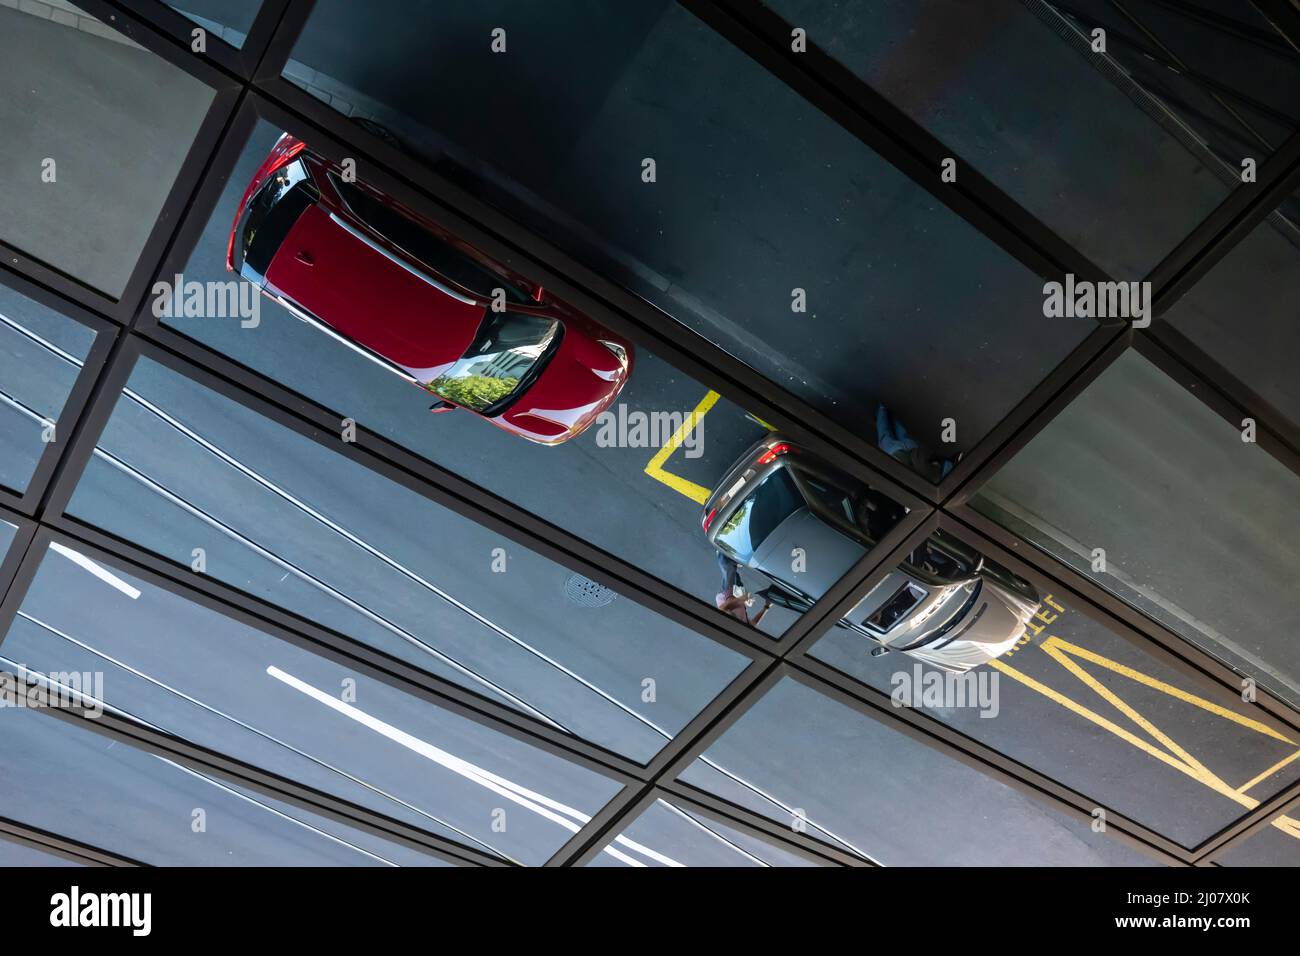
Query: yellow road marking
x=1268, y=773
x=655, y=469
x=1126, y=735
x=1166, y=688
x=1058, y=649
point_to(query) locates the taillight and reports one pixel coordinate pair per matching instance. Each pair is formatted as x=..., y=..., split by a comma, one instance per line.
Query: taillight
x=708, y=518
x=769, y=456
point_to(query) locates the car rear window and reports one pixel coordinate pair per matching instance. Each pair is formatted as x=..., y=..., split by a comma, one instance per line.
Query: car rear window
x=748, y=526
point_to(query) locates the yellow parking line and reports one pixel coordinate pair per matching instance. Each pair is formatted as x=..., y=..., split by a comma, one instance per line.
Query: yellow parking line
x=1169, y=689
x=697, y=493
x=1268, y=773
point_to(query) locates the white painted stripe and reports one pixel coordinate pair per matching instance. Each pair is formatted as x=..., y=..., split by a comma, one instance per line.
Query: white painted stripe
x=105, y=575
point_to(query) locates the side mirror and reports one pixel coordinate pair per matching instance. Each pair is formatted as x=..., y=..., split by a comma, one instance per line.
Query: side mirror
x=439, y=407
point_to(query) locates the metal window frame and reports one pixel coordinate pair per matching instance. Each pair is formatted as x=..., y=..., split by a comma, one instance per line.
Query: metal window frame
x=250, y=85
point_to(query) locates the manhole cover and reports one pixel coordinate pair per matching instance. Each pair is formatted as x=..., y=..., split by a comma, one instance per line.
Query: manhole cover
x=585, y=592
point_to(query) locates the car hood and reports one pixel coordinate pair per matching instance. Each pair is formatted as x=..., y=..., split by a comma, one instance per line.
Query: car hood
x=370, y=297
x=994, y=624
x=579, y=381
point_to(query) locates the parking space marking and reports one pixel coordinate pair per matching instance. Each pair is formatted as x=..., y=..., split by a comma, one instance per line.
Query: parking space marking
x=1064, y=653
x=1268, y=773
x=697, y=493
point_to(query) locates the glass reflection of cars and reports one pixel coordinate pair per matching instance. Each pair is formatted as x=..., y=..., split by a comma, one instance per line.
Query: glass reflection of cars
x=946, y=604
x=423, y=304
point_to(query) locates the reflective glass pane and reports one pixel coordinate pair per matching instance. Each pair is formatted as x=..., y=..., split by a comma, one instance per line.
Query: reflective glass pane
x=854, y=782
x=17, y=854
x=639, y=481
x=1197, y=527
x=41, y=353
x=228, y=19
x=201, y=676
x=1017, y=667
x=96, y=129
x=1120, y=153
x=277, y=514
x=671, y=162
x=1242, y=313
x=148, y=808
x=666, y=834
x=1277, y=844
x=7, y=532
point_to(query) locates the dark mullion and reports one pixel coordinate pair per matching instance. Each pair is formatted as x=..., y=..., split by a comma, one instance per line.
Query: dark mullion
x=28, y=502
x=898, y=550
x=1026, y=419
x=709, y=807
x=282, y=38
x=855, y=585
x=887, y=130
x=1231, y=396
x=1250, y=825
x=179, y=28
x=1230, y=222
x=1085, y=365
x=669, y=763
x=1174, y=356
x=77, y=401
x=12, y=559
x=1111, y=611
x=783, y=838
x=592, y=838
x=282, y=625
x=61, y=846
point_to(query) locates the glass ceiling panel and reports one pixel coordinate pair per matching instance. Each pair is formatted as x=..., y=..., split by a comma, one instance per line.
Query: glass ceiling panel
x=96, y=129
x=41, y=353
x=280, y=516
x=763, y=225
x=667, y=834
x=1199, y=529
x=1242, y=313
x=858, y=784
x=198, y=675
x=17, y=854
x=148, y=808
x=1277, y=844
x=1119, y=154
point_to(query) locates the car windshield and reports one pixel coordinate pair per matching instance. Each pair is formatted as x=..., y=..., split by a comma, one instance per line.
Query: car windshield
x=759, y=515
x=506, y=353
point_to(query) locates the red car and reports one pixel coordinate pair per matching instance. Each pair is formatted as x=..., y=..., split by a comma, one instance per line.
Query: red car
x=410, y=296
